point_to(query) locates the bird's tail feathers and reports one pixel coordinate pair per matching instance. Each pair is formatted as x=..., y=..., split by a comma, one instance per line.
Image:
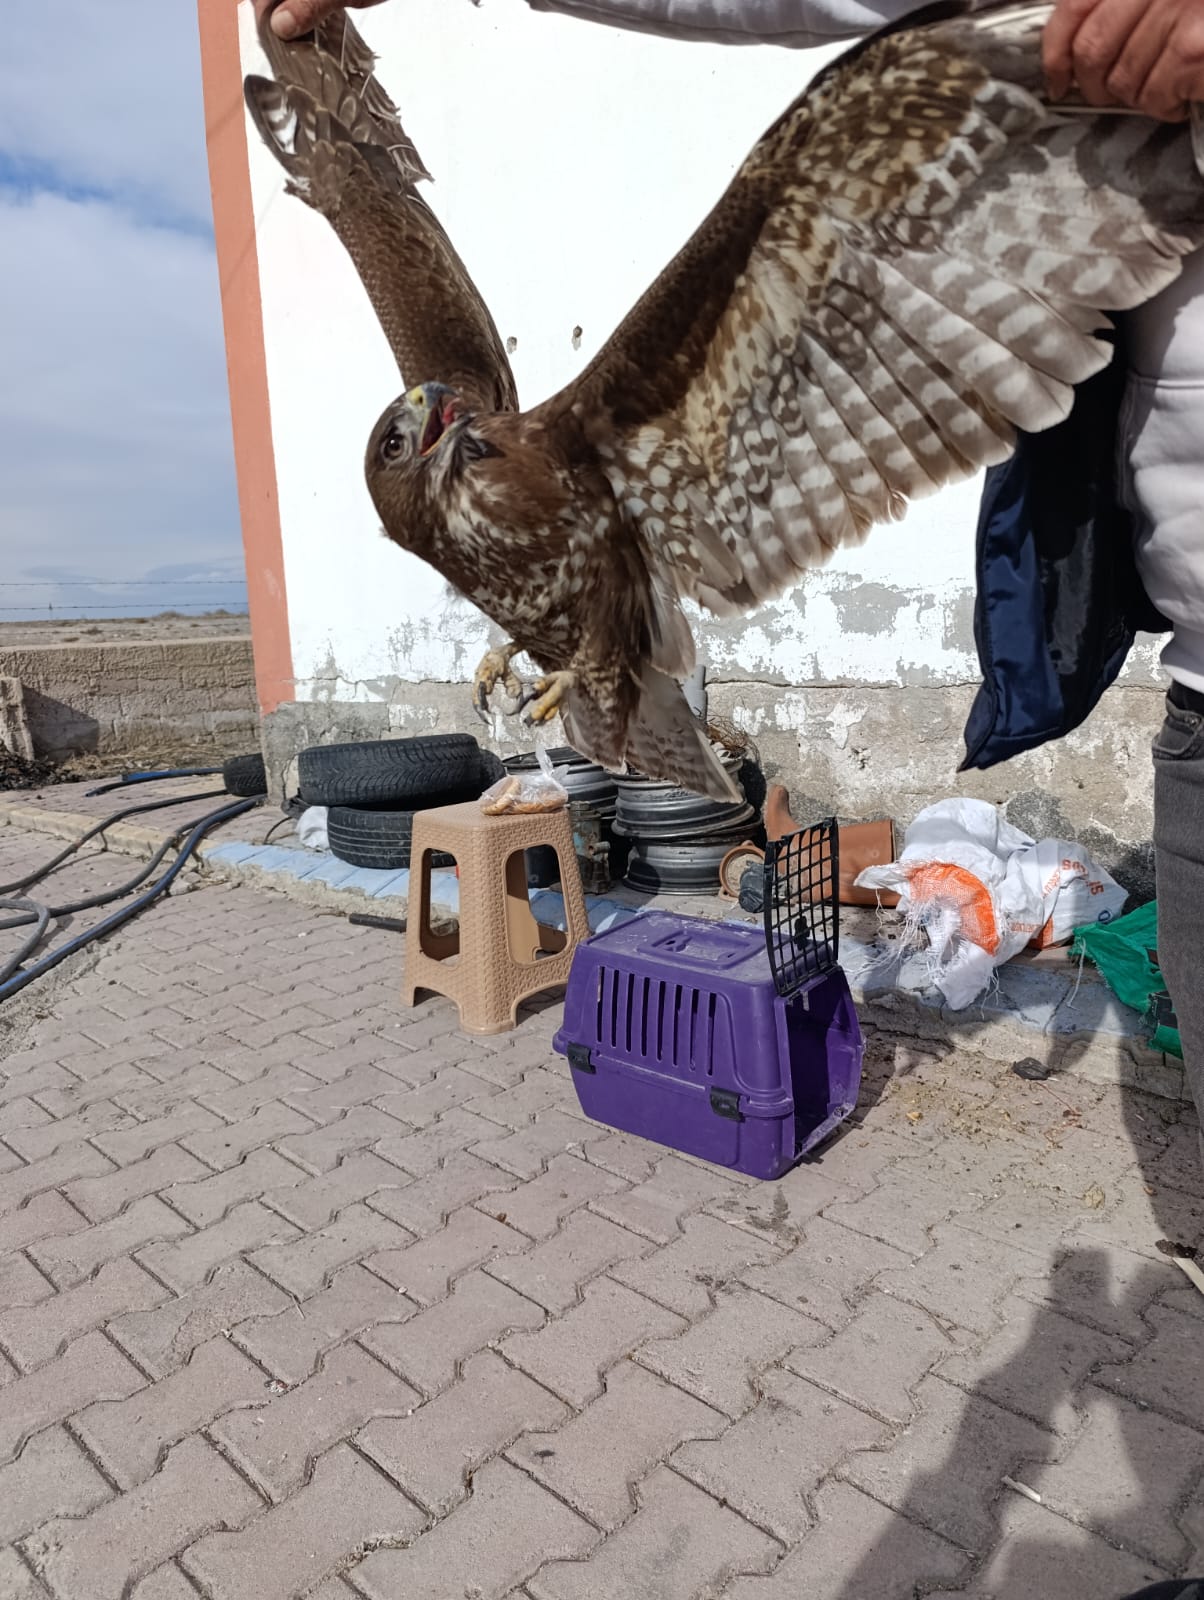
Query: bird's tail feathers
x=666, y=740
x=672, y=641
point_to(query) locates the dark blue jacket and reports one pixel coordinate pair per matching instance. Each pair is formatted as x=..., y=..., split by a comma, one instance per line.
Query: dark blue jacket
x=1059, y=600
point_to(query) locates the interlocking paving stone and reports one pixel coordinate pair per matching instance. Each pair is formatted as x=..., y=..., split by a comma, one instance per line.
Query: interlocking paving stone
x=571, y=1354
x=770, y=1462
x=128, y=1437
x=720, y=1357
x=679, y=1544
x=275, y=1441
x=878, y=1357
x=163, y=1339
x=51, y=1476
x=346, y=1505
x=98, y=1556
x=226, y=1151
x=89, y=1368
x=858, y=1548
x=485, y=1547
x=598, y=1457
x=427, y=1349
x=34, y=1333
x=290, y=1339
x=434, y=1451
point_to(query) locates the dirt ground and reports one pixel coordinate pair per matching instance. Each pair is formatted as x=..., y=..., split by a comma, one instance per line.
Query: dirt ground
x=122, y=630
x=18, y=774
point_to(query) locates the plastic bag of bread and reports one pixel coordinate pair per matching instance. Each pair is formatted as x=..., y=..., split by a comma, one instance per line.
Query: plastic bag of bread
x=526, y=793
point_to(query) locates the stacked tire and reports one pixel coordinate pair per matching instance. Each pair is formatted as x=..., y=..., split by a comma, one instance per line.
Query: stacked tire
x=245, y=776
x=373, y=790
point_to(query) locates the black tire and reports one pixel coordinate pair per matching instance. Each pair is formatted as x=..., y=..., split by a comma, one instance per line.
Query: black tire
x=492, y=768
x=245, y=776
x=378, y=839
x=390, y=771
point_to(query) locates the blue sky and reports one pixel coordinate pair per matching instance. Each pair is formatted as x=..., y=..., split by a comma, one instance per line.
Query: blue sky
x=116, y=461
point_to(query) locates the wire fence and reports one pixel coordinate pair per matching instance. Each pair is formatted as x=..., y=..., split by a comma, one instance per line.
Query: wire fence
x=138, y=597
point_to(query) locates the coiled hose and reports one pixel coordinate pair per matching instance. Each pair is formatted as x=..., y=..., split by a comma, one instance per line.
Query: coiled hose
x=48, y=867
x=33, y=913
x=12, y=980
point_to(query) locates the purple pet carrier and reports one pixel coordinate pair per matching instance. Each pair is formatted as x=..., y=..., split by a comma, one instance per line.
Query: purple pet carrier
x=735, y=1044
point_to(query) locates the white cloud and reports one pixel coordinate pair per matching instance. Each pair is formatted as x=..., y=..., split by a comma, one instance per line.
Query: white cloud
x=115, y=448
x=106, y=95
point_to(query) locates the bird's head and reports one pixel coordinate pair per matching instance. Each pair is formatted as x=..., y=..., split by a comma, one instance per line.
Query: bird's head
x=423, y=430
x=420, y=445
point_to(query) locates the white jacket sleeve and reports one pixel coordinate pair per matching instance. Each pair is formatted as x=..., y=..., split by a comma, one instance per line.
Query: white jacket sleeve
x=801, y=24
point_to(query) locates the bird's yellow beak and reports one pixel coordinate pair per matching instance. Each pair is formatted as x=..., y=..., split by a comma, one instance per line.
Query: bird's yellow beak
x=436, y=407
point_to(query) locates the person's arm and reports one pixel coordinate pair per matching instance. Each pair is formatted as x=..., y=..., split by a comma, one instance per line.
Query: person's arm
x=800, y=24
x=1146, y=54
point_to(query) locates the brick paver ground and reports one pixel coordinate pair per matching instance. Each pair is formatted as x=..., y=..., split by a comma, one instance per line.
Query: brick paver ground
x=302, y=1293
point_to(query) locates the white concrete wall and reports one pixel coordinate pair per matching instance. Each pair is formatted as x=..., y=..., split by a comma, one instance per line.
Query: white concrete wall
x=571, y=162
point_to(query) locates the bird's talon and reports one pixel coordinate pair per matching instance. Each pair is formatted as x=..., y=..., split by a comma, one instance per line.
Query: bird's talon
x=495, y=668
x=543, y=698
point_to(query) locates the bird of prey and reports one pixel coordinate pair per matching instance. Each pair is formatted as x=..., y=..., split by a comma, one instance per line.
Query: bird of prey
x=917, y=260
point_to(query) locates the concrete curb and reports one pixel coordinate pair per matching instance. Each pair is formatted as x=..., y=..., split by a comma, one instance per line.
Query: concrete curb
x=127, y=838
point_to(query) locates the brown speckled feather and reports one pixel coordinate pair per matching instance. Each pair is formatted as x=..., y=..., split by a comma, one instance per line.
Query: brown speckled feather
x=337, y=134
x=910, y=266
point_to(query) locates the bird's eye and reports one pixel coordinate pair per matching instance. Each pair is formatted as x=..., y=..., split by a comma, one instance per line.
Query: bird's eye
x=392, y=446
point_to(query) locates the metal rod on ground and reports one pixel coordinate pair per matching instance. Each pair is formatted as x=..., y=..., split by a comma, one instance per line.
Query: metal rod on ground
x=363, y=920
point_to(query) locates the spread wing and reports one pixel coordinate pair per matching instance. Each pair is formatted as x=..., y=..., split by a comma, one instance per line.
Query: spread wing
x=912, y=264
x=336, y=133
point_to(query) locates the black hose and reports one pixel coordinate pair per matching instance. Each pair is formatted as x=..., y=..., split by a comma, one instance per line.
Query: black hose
x=127, y=778
x=14, y=984
x=39, y=914
x=128, y=811
x=102, y=899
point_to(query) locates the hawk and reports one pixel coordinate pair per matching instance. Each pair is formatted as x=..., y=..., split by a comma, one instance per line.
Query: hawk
x=917, y=260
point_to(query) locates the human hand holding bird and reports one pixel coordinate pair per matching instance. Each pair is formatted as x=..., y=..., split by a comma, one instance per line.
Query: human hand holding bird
x=289, y=19
x=1147, y=55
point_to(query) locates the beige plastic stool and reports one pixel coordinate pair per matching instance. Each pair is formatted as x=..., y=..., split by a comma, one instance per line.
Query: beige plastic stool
x=491, y=965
